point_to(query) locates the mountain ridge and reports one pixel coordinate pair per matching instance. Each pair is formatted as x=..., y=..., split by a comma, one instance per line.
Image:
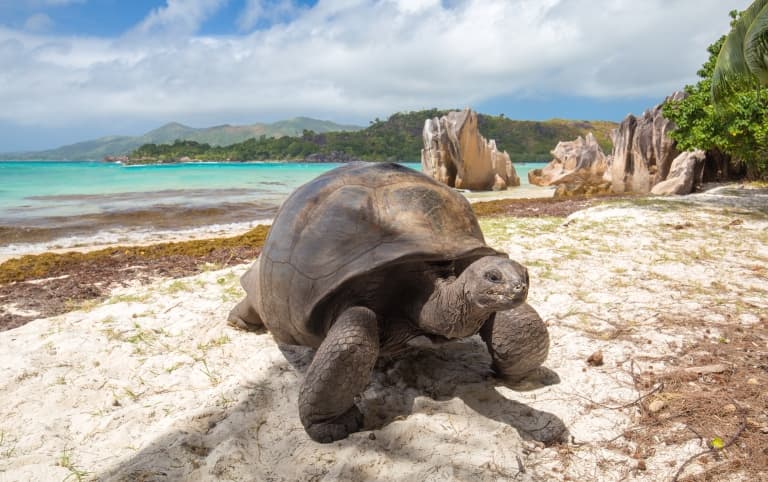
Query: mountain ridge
x=225, y=134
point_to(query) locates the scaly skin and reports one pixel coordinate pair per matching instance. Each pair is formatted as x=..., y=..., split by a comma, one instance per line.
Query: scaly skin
x=339, y=372
x=517, y=340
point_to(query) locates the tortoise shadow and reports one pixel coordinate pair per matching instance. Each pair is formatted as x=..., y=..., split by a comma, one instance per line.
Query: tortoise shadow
x=215, y=439
x=456, y=370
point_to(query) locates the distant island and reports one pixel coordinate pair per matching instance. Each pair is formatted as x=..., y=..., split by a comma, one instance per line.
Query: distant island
x=399, y=138
x=221, y=135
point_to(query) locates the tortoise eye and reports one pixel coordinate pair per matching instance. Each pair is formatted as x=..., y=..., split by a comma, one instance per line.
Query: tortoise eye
x=494, y=276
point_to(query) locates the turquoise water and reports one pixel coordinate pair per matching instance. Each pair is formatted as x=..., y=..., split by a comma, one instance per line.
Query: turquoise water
x=35, y=189
x=63, y=204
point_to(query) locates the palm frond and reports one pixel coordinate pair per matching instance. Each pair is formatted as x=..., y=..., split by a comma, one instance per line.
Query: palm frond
x=732, y=70
x=756, y=46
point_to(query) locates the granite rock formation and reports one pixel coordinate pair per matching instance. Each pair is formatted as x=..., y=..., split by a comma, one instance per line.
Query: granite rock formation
x=685, y=173
x=643, y=151
x=579, y=161
x=457, y=155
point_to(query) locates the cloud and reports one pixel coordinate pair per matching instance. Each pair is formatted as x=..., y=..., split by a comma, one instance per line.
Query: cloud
x=178, y=17
x=357, y=59
x=270, y=11
x=38, y=22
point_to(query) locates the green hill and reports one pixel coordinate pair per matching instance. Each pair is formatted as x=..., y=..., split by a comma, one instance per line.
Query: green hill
x=215, y=136
x=398, y=138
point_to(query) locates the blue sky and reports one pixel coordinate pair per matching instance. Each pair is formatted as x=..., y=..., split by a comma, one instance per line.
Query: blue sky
x=78, y=69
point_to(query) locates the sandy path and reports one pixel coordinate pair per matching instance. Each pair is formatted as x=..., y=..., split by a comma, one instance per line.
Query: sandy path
x=153, y=385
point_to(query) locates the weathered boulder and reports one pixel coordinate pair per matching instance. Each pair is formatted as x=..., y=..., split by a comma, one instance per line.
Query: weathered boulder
x=457, y=155
x=684, y=174
x=643, y=151
x=579, y=161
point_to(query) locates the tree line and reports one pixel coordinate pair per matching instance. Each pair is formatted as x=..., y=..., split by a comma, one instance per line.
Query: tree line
x=398, y=138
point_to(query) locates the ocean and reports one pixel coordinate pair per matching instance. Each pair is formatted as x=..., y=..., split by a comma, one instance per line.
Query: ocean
x=48, y=205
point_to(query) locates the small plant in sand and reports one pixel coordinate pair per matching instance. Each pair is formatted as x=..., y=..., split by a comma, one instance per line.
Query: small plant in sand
x=224, y=401
x=232, y=293
x=131, y=394
x=214, y=378
x=201, y=357
x=178, y=286
x=174, y=367
x=81, y=305
x=50, y=348
x=65, y=460
x=129, y=298
x=7, y=447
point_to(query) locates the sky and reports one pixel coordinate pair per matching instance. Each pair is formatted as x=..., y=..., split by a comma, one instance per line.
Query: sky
x=72, y=70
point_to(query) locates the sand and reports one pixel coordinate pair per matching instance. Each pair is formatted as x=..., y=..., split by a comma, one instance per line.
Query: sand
x=152, y=384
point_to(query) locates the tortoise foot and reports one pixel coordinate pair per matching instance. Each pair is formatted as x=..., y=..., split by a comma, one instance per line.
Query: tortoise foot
x=518, y=342
x=244, y=317
x=338, y=428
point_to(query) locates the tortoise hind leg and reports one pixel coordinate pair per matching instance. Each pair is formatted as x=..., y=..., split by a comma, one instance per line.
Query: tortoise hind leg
x=517, y=340
x=339, y=372
x=245, y=316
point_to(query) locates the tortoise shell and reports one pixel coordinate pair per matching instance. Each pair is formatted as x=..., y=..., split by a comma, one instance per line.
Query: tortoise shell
x=347, y=223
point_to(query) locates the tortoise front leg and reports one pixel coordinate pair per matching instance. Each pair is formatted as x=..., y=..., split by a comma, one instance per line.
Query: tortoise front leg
x=339, y=372
x=517, y=340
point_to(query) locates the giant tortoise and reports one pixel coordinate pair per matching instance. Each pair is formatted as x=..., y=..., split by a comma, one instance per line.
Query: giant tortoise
x=366, y=258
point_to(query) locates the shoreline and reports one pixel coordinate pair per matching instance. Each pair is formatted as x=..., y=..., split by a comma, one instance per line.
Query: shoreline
x=52, y=283
x=211, y=222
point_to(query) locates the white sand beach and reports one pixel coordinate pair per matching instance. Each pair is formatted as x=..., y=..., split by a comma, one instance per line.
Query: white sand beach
x=152, y=384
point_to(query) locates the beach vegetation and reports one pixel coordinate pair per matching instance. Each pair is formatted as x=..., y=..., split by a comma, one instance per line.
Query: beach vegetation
x=727, y=110
x=129, y=298
x=216, y=342
x=131, y=394
x=7, y=448
x=177, y=286
x=399, y=138
x=174, y=367
x=53, y=264
x=212, y=377
x=65, y=460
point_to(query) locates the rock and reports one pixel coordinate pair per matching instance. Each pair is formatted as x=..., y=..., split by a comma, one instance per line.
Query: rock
x=596, y=359
x=582, y=189
x=643, y=151
x=684, y=174
x=656, y=406
x=457, y=155
x=580, y=161
x=753, y=381
x=498, y=183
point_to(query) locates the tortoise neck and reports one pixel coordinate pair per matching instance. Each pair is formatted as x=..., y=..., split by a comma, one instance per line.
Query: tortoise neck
x=450, y=312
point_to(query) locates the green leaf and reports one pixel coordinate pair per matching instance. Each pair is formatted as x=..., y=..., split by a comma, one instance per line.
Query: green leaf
x=756, y=46
x=731, y=69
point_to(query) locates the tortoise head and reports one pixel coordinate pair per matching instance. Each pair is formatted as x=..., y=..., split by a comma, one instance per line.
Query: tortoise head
x=495, y=283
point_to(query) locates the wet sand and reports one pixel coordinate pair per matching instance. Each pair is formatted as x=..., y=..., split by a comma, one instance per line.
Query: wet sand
x=161, y=223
